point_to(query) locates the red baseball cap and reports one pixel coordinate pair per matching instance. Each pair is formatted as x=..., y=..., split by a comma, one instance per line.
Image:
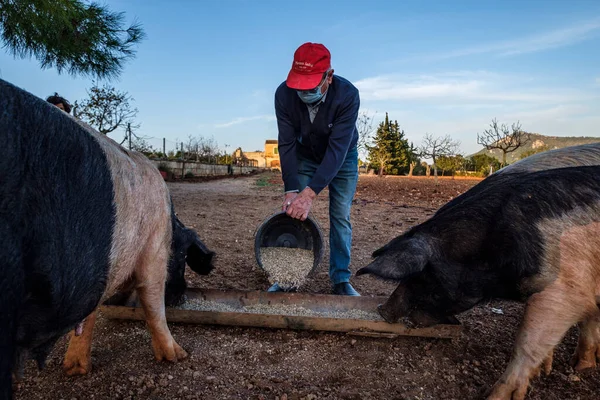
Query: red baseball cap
x=311, y=61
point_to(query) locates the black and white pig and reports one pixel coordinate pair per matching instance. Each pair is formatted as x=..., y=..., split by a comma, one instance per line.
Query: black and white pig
x=81, y=218
x=530, y=232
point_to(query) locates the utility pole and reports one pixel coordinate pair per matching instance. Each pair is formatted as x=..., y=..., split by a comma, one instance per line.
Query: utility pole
x=129, y=134
x=164, y=148
x=182, y=162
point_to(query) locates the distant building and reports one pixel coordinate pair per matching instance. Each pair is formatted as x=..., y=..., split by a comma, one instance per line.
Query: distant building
x=239, y=158
x=269, y=158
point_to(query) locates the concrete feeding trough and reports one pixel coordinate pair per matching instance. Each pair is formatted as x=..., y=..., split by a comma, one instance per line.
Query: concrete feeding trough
x=282, y=310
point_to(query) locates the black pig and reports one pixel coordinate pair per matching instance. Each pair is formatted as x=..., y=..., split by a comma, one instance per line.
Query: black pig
x=530, y=232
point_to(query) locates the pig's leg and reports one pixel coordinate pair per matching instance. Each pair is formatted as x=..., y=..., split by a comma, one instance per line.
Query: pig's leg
x=151, y=276
x=588, y=348
x=548, y=316
x=78, y=359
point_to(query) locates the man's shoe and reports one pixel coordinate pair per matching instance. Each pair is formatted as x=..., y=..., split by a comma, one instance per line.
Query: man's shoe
x=275, y=288
x=344, y=289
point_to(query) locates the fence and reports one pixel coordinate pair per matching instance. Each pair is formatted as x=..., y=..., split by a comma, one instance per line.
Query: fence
x=183, y=168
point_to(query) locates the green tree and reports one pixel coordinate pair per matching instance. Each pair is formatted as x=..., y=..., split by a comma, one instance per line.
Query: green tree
x=390, y=151
x=70, y=35
x=483, y=163
x=106, y=109
x=450, y=164
x=419, y=169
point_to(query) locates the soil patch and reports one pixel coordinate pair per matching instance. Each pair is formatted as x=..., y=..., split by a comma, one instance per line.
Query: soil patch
x=253, y=363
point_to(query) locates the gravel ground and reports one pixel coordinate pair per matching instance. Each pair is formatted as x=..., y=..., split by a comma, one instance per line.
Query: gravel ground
x=254, y=363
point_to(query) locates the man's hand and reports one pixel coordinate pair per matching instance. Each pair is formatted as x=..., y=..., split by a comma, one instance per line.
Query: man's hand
x=287, y=200
x=300, y=205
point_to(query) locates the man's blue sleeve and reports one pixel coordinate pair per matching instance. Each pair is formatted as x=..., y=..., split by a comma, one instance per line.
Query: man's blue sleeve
x=341, y=136
x=286, y=142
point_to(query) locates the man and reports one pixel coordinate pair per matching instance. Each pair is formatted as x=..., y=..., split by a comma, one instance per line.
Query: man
x=59, y=102
x=316, y=116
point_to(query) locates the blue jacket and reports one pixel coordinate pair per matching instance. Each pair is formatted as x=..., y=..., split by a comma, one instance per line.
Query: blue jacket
x=326, y=140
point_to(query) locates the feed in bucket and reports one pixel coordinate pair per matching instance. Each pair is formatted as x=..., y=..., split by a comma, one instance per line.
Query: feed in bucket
x=287, y=266
x=288, y=250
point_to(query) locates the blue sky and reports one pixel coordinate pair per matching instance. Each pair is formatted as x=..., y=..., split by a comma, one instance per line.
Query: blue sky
x=210, y=68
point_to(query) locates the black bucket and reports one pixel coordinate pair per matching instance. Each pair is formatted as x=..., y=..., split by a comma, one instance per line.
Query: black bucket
x=281, y=230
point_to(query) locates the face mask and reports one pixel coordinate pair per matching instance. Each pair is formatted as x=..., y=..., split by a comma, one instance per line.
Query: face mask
x=311, y=96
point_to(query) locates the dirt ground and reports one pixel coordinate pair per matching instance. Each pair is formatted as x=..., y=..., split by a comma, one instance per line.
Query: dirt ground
x=248, y=363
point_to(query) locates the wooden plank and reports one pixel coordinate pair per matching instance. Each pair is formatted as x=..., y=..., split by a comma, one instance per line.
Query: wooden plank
x=374, y=334
x=314, y=302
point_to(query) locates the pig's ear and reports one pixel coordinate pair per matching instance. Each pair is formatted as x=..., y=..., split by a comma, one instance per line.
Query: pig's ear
x=396, y=264
x=391, y=267
x=380, y=251
x=199, y=257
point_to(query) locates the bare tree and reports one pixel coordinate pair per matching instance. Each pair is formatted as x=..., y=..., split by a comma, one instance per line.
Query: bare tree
x=135, y=142
x=106, y=109
x=191, y=148
x=200, y=148
x=427, y=168
x=382, y=157
x=208, y=148
x=412, y=166
x=364, y=125
x=414, y=159
x=502, y=138
x=434, y=147
x=140, y=144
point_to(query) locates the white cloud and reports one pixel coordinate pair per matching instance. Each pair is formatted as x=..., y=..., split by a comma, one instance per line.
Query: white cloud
x=463, y=87
x=550, y=40
x=528, y=44
x=242, y=120
x=463, y=104
x=389, y=87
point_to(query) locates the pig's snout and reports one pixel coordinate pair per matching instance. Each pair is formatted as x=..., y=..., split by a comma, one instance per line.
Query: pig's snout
x=390, y=316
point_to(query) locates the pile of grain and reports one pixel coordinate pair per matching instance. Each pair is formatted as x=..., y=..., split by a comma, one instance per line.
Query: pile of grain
x=279, y=309
x=206, y=305
x=288, y=267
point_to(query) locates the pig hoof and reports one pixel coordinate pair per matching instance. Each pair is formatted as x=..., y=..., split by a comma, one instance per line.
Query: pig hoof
x=508, y=391
x=586, y=360
x=387, y=316
x=75, y=366
x=546, y=366
x=579, y=364
x=169, y=351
